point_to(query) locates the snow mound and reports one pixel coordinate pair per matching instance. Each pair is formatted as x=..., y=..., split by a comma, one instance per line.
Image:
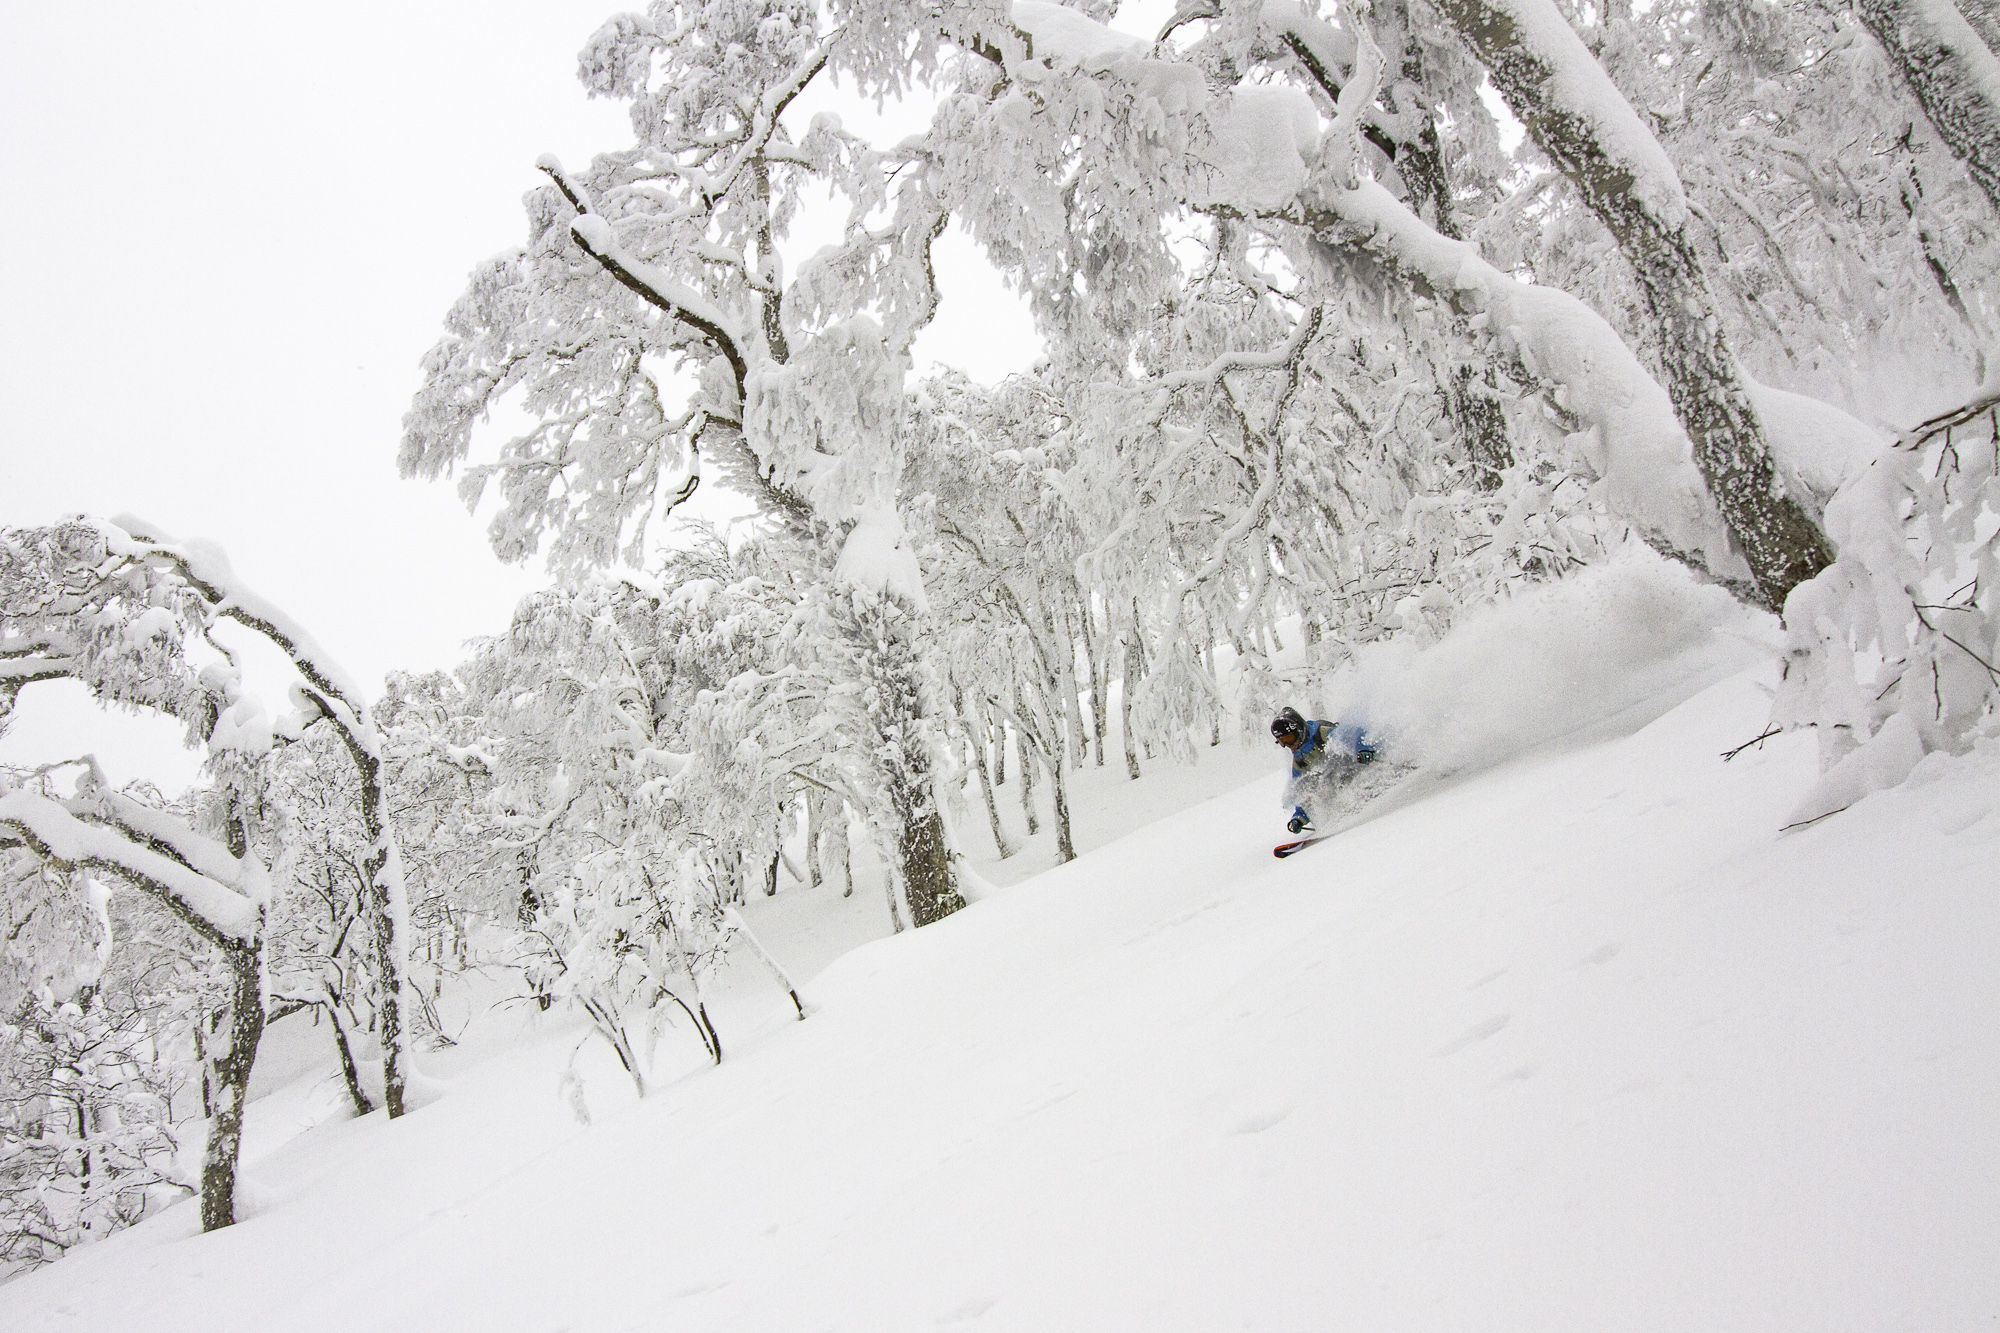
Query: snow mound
x=1551, y=662
x=1818, y=448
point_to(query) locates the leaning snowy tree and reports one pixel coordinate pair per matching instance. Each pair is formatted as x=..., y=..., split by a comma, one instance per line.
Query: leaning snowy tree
x=1578, y=117
x=1216, y=135
x=77, y=608
x=128, y=614
x=218, y=893
x=648, y=322
x=1106, y=147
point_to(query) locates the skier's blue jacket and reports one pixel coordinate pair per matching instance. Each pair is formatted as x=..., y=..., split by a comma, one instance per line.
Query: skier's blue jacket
x=1329, y=751
x=1327, y=744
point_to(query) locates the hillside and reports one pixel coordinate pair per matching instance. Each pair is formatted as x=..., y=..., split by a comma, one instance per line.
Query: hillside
x=1578, y=1041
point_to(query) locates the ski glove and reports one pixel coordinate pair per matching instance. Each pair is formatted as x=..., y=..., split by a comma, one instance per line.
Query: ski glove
x=1364, y=753
x=1298, y=823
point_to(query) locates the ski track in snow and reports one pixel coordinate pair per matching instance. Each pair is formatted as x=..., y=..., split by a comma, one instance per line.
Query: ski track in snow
x=1578, y=1042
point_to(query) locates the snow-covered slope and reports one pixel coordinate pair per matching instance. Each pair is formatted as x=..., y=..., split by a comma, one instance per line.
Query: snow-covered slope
x=1579, y=1042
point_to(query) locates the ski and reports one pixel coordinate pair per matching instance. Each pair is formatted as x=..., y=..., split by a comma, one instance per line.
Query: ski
x=1284, y=849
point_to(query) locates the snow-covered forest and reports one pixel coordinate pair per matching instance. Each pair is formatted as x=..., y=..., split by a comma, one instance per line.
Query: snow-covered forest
x=1507, y=377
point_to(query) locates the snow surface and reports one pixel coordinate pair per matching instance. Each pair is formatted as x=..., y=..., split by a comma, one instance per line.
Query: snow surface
x=1577, y=1041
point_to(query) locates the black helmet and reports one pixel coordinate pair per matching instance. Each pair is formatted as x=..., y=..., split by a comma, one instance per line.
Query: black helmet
x=1286, y=724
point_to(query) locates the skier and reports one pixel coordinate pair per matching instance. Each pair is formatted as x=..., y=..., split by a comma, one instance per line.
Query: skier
x=1324, y=757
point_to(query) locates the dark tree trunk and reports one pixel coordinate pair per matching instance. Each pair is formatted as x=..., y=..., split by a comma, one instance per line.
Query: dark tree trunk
x=348, y=1070
x=230, y=1081
x=975, y=733
x=1129, y=686
x=1025, y=763
x=1473, y=403
x=384, y=928
x=1065, y=845
x=1098, y=671
x=1072, y=747
x=896, y=706
x=1984, y=16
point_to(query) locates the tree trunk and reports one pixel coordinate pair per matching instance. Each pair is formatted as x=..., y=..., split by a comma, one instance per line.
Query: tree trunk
x=815, y=814
x=1984, y=16
x=388, y=916
x=975, y=734
x=348, y=1070
x=231, y=1083
x=1207, y=660
x=1474, y=407
x=1952, y=72
x=896, y=707
x=1059, y=785
x=1025, y=763
x=1421, y=162
x=1064, y=642
x=1129, y=685
x=1097, y=669
x=1554, y=85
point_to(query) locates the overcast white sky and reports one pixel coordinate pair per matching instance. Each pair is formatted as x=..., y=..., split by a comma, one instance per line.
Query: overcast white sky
x=233, y=230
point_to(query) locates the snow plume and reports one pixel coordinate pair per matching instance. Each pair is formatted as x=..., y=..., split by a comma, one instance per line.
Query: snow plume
x=1550, y=662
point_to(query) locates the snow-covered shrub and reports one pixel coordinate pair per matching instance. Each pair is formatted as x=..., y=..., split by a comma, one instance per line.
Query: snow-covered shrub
x=1894, y=651
x=86, y=1124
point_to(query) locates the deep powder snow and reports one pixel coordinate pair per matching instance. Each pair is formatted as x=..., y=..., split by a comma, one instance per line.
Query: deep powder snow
x=1577, y=1040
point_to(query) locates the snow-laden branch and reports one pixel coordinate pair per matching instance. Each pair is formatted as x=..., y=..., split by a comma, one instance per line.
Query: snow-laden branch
x=1276, y=359
x=217, y=909
x=1270, y=437
x=1636, y=445
x=771, y=105
x=165, y=834
x=1352, y=105
x=1984, y=400
x=676, y=300
x=207, y=571
x=1577, y=116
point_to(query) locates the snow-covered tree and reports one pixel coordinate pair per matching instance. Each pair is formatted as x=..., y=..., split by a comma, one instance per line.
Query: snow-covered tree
x=133, y=617
x=649, y=321
x=636, y=742
x=1317, y=347
x=86, y=1122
